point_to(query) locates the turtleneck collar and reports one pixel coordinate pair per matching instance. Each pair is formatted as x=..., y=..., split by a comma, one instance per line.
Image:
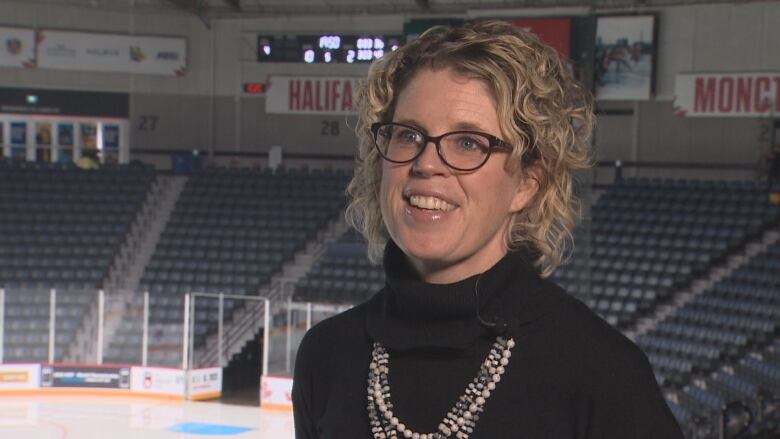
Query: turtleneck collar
x=410, y=313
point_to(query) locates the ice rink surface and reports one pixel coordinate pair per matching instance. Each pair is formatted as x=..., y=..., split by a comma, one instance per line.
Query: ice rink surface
x=113, y=417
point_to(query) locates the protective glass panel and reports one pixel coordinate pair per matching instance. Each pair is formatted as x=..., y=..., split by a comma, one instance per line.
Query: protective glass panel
x=289, y=322
x=75, y=314
x=123, y=328
x=166, y=329
x=26, y=325
x=241, y=318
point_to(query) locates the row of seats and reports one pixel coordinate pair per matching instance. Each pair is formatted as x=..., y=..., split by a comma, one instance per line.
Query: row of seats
x=656, y=235
x=722, y=345
x=61, y=228
x=230, y=232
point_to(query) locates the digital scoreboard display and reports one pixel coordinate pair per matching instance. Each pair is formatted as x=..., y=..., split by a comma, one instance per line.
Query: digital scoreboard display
x=331, y=48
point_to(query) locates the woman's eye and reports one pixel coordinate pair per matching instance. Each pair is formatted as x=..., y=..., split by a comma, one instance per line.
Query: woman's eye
x=469, y=143
x=409, y=136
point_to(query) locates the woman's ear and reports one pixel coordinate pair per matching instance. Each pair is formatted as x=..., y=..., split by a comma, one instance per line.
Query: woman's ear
x=530, y=178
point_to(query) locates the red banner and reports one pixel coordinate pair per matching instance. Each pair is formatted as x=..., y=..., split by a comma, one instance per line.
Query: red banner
x=554, y=31
x=727, y=94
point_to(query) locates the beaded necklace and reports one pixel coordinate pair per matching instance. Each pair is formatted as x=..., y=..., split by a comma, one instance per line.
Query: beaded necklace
x=462, y=417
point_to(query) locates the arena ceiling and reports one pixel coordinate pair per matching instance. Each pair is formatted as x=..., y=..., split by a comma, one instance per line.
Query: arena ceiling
x=219, y=8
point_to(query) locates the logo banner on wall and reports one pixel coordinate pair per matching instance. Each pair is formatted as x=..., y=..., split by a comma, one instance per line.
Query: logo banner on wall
x=18, y=47
x=86, y=377
x=112, y=53
x=625, y=51
x=727, y=94
x=311, y=95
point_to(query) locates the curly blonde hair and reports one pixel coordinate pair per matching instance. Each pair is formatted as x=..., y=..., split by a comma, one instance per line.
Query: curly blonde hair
x=543, y=112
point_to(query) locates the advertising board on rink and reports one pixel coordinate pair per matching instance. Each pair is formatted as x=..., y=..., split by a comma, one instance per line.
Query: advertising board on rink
x=205, y=383
x=276, y=393
x=19, y=376
x=160, y=381
x=311, y=95
x=97, y=52
x=18, y=47
x=727, y=94
x=93, y=377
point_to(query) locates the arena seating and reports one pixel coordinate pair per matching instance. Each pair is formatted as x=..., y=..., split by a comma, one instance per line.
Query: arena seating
x=709, y=352
x=230, y=231
x=342, y=275
x=649, y=237
x=60, y=228
x=735, y=315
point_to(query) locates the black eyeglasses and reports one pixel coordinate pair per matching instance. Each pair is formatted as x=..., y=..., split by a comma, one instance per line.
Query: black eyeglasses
x=460, y=150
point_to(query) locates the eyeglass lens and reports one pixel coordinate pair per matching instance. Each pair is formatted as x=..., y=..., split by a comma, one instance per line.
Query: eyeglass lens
x=463, y=150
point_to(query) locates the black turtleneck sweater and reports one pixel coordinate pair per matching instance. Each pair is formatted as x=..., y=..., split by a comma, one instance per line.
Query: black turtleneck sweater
x=571, y=375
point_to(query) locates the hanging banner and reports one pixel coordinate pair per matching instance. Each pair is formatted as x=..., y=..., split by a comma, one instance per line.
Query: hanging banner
x=112, y=53
x=554, y=31
x=727, y=94
x=625, y=52
x=18, y=47
x=311, y=95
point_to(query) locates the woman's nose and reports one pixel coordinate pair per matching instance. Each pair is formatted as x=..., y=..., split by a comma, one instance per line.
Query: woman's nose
x=429, y=161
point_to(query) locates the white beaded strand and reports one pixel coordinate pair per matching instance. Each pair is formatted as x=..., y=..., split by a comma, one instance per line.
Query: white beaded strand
x=462, y=417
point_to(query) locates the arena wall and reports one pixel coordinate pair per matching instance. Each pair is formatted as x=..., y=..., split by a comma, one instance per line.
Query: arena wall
x=207, y=110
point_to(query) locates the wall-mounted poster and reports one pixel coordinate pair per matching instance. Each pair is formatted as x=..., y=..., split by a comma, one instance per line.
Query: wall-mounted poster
x=19, y=141
x=19, y=133
x=43, y=134
x=624, y=58
x=89, y=140
x=65, y=134
x=110, y=144
x=110, y=136
x=65, y=142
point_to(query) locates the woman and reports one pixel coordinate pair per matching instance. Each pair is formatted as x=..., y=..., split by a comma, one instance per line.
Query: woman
x=468, y=139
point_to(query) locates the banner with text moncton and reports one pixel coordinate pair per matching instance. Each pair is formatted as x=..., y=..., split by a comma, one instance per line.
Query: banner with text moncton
x=727, y=94
x=112, y=53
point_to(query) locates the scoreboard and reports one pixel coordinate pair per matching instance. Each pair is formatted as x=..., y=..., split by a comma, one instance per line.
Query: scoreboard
x=331, y=48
